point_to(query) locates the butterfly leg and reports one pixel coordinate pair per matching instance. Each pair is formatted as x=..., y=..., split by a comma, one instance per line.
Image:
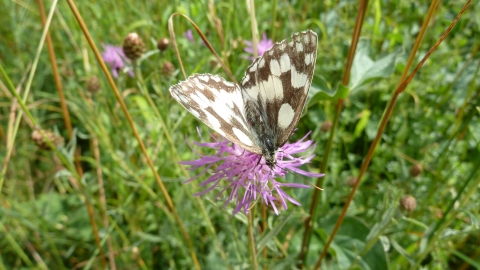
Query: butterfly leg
x=259, y=159
x=241, y=153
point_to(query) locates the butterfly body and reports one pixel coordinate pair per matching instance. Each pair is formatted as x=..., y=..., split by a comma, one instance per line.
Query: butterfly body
x=261, y=112
x=262, y=133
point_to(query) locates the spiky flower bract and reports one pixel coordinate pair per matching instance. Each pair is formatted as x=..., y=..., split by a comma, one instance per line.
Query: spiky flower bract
x=245, y=178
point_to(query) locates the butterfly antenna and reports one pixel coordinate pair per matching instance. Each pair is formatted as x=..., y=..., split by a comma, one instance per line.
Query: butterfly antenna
x=301, y=177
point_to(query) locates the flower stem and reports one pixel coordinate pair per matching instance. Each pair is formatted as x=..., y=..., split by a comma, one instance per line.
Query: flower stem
x=251, y=240
x=168, y=136
x=386, y=116
x=328, y=148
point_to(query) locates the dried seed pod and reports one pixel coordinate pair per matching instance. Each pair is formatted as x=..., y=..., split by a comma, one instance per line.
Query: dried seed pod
x=351, y=181
x=41, y=141
x=93, y=84
x=416, y=170
x=163, y=43
x=326, y=126
x=408, y=203
x=168, y=68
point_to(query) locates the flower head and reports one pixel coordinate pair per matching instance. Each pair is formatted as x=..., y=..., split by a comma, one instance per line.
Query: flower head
x=189, y=35
x=114, y=56
x=263, y=45
x=246, y=178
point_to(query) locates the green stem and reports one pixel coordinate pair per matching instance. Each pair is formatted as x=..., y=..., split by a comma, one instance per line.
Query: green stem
x=15, y=246
x=432, y=235
x=165, y=129
x=251, y=241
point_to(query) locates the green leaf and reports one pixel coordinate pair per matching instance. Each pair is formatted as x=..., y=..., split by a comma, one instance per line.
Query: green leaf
x=350, y=241
x=466, y=259
x=150, y=237
x=273, y=232
x=402, y=251
x=362, y=123
x=138, y=25
x=144, y=107
x=365, y=70
x=320, y=91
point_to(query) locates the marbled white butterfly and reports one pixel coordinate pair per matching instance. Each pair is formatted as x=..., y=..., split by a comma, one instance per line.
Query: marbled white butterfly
x=262, y=112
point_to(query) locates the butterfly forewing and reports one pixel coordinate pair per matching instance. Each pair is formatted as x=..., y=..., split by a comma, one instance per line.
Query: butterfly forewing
x=219, y=104
x=279, y=81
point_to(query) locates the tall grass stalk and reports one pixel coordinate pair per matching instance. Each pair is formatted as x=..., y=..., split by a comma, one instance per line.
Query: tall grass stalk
x=362, y=8
x=134, y=130
x=168, y=136
x=386, y=116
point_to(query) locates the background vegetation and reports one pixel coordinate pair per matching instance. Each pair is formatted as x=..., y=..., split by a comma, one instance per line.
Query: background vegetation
x=417, y=204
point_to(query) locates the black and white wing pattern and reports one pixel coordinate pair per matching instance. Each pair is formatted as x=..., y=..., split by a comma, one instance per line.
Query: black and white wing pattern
x=217, y=103
x=262, y=112
x=275, y=86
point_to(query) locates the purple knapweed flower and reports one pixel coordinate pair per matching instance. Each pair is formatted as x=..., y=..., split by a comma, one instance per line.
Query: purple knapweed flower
x=116, y=59
x=263, y=45
x=247, y=180
x=189, y=35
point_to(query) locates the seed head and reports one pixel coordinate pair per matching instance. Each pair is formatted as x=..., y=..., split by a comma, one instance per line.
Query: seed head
x=133, y=46
x=214, y=63
x=93, y=85
x=326, y=126
x=135, y=253
x=39, y=140
x=416, y=170
x=408, y=203
x=162, y=44
x=168, y=68
x=352, y=180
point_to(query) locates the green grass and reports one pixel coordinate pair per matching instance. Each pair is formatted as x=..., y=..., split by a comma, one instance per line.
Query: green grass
x=47, y=207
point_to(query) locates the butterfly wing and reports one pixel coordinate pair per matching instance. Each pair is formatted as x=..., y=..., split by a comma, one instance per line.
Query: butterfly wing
x=217, y=103
x=279, y=82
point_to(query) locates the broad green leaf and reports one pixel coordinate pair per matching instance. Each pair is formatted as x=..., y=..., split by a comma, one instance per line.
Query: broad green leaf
x=351, y=239
x=343, y=260
x=365, y=70
x=320, y=91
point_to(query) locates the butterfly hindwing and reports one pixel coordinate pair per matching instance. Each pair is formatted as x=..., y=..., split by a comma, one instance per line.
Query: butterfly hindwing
x=219, y=104
x=279, y=81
